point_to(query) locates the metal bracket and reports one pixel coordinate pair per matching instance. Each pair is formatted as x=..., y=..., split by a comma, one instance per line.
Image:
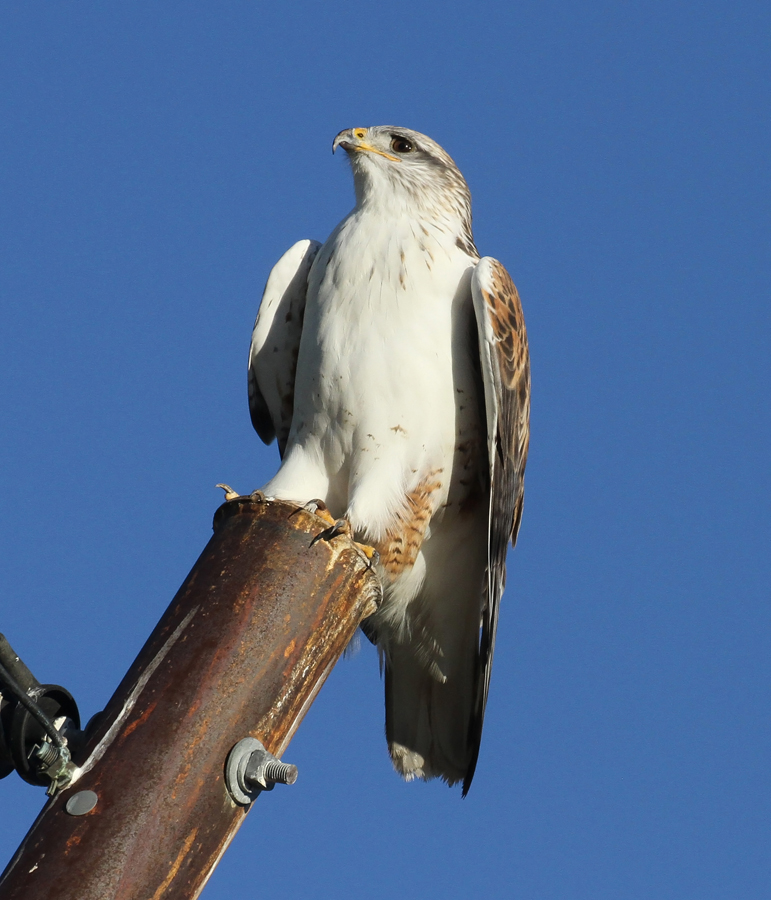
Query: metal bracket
x=251, y=769
x=39, y=725
x=54, y=766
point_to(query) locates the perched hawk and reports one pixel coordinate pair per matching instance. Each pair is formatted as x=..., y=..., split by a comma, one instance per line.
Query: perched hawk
x=392, y=365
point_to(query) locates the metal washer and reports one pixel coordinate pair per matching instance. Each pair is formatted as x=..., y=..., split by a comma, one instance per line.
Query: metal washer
x=81, y=803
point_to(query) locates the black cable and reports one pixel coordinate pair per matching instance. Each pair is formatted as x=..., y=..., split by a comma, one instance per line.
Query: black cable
x=21, y=696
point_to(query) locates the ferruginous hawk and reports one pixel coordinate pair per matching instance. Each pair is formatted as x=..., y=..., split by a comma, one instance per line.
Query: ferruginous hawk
x=392, y=365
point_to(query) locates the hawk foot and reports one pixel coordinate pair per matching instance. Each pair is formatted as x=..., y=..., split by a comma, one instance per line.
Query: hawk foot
x=372, y=555
x=230, y=494
x=317, y=507
x=342, y=526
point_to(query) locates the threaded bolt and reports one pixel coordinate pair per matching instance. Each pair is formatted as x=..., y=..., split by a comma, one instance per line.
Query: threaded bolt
x=280, y=773
x=250, y=768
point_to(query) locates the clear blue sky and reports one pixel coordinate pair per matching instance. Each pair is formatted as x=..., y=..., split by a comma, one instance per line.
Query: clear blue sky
x=157, y=158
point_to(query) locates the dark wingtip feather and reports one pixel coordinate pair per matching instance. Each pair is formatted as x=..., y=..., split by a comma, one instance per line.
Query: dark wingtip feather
x=469, y=776
x=259, y=413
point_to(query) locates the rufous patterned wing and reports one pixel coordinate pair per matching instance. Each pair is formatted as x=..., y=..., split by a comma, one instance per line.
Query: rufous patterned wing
x=505, y=365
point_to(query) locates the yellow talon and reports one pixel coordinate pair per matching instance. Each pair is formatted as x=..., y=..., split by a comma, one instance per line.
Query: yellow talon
x=319, y=508
x=326, y=515
x=230, y=494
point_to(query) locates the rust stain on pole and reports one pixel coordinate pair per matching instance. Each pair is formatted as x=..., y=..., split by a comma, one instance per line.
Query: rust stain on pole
x=241, y=651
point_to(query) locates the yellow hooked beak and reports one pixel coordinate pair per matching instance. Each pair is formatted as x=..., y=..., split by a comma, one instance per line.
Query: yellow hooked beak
x=352, y=141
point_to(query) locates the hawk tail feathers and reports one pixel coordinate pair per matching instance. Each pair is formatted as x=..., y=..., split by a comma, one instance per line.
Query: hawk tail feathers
x=428, y=717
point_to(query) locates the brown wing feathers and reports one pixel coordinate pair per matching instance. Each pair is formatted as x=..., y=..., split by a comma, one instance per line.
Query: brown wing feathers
x=511, y=376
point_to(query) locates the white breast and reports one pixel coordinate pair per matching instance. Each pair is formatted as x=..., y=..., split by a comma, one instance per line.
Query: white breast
x=382, y=360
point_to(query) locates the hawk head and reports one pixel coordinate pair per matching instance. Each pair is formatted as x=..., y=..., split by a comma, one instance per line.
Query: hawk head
x=397, y=166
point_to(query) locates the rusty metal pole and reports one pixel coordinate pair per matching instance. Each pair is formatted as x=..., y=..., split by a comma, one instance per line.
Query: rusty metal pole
x=241, y=651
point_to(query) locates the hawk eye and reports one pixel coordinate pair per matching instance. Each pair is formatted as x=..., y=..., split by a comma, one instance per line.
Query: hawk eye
x=401, y=145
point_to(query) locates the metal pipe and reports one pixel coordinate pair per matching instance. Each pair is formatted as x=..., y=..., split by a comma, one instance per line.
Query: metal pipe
x=241, y=651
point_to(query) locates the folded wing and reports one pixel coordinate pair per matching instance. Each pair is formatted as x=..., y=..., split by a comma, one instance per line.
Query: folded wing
x=276, y=343
x=505, y=364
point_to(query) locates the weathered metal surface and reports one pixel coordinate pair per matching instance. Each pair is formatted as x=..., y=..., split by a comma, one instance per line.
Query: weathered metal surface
x=242, y=650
